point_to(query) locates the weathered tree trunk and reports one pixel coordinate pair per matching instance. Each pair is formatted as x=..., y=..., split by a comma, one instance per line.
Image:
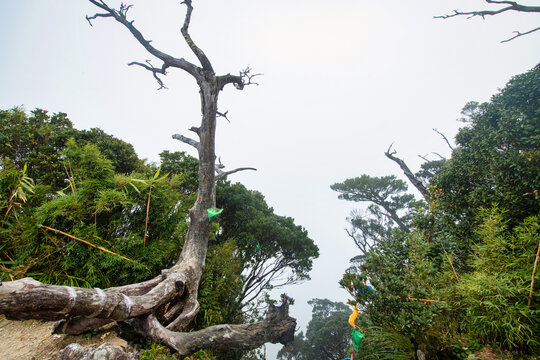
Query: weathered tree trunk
x=159, y=307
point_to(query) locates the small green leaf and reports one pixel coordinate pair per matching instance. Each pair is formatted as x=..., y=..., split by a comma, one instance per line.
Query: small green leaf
x=157, y=173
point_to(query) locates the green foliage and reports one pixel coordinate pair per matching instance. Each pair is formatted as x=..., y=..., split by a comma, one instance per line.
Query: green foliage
x=201, y=355
x=157, y=352
x=497, y=159
x=39, y=139
x=389, y=207
x=121, y=154
x=429, y=170
x=458, y=273
x=328, y=335
x=383, y=344
x=21, y=185
x=185, y=166
x=263, y=238
x=386, y=192
x=495, y=301
x=105, y=212
x=400, y=271
x=35, y=140
x=397, y=263
x=220, y=285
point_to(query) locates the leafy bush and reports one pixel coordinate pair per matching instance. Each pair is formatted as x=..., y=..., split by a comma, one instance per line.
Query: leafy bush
x=495, y=293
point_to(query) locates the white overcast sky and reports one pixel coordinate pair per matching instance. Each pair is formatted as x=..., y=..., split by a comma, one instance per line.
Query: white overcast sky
x=342, y=80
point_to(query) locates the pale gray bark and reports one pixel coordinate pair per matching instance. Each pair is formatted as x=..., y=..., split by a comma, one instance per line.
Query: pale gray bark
x=93, y=352
x=186, y=140
x=278, y=327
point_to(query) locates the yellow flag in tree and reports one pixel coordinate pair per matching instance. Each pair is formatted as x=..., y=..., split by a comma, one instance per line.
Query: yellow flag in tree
x=353, y=316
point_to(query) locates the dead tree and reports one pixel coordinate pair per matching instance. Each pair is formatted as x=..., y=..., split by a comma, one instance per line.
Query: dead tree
x=408, y=173
x=512, y=6
x=162, y=307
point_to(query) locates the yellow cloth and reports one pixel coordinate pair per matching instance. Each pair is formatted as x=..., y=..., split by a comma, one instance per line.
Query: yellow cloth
x=353, y=316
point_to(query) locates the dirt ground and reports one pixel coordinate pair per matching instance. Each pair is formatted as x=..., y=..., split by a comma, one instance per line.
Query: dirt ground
x=33, y=340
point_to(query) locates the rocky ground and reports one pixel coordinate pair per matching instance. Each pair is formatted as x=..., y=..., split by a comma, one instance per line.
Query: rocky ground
x=33, y=340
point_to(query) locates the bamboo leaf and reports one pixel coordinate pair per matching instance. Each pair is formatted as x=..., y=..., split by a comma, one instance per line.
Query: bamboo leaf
x=22, y=195
x=28, y=187
x=134, y=187
x=157, y=173
x=163, y=177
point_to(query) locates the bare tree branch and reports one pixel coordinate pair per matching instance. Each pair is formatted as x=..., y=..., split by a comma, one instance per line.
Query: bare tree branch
x=236, y=80
x=513, y=6
x=223, y=174
x=189, y=311
x=248, y=77
x=408, y=173
x=206, y=65
x=239, y=81
x=78, y=325
x=95, y=16
x=186, y=140
x=518, y=34
x=120, y=16
x=277, y=327
x=154, y=71
x=444, y=137
x=363, y=244
x=425, y=157
x=223, y=115
x=392, y=215
x=273, y=272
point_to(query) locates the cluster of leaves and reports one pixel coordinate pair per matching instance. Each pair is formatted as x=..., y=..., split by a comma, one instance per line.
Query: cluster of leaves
x=98, y=208
x=459, y=270
x=494, y=301
x=38, y=140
